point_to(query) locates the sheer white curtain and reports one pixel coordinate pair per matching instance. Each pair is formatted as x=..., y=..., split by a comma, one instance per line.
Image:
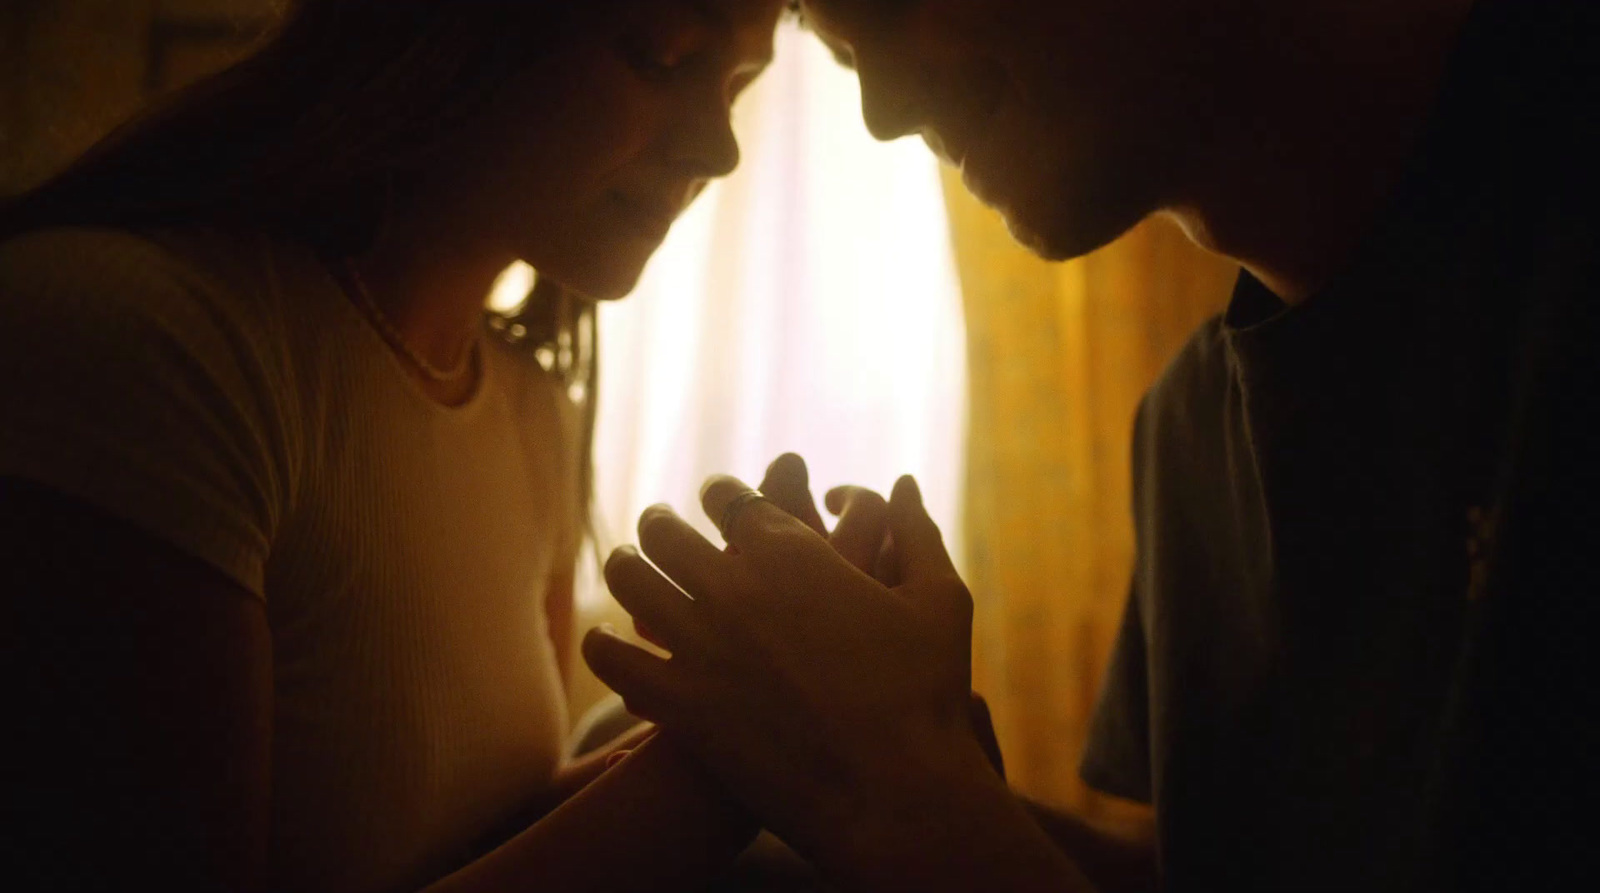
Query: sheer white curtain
x=808, y=303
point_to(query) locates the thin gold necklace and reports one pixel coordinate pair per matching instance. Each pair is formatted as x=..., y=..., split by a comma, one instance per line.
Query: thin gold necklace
x=392, y=335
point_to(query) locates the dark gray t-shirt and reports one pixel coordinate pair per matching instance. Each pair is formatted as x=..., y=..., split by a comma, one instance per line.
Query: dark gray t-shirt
x=1363, y=542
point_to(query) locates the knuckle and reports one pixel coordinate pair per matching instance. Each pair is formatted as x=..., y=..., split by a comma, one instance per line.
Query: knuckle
x=784, y=545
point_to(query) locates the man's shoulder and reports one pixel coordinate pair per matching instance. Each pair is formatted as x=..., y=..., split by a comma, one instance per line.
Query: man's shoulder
x=1191, y=389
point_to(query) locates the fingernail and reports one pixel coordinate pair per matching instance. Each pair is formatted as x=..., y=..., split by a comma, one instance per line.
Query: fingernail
x=620, y=553
x=834, y=500
x=790, y=462
x=608, y=629
x=659, y=508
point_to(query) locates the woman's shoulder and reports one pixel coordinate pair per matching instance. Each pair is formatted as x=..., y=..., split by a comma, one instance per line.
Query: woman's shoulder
x=214, y=289
x=109, y=271
x=132, y=380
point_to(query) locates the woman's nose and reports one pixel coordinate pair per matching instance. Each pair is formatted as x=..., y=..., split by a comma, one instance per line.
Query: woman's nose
x=708, y=147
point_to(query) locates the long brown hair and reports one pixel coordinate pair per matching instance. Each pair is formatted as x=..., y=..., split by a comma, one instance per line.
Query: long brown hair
x=310, y=137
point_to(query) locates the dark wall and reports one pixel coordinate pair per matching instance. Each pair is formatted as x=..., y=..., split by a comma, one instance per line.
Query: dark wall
x=72, y=69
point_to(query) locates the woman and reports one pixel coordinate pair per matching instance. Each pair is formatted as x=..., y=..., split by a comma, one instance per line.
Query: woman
x=288, y=535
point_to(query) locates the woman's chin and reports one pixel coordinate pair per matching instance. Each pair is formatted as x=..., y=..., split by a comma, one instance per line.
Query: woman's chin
x=609, y=284
x=600, y=271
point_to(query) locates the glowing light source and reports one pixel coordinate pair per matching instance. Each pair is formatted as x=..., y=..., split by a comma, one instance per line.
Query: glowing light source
x=807, y=303
x=511, y=290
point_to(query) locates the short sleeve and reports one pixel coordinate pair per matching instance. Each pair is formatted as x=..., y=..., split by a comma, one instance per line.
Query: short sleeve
x=127, y=383
x=1116, y=759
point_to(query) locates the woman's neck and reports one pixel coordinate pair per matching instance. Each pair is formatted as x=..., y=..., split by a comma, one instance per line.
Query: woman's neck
x=428, y=276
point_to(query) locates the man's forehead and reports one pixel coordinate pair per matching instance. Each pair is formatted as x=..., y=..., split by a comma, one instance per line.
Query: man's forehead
x=829, y=21
x=738, y=13
x=836, y=17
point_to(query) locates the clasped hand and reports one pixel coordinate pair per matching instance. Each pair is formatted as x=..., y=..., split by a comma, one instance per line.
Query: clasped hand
x=816, y=675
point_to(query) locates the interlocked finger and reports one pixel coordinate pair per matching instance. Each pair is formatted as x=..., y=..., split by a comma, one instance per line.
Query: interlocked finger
x=647, y=684
x=682, y=554
x=651, y=599
x=863, y=525
x=740, y=511
x=787, y=484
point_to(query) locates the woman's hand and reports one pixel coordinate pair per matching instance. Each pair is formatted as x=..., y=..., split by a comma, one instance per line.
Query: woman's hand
x=814, y=691
x=862, y=538
x=862, y=534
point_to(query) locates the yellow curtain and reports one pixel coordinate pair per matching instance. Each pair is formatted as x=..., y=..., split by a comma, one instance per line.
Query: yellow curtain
x=1059, y=355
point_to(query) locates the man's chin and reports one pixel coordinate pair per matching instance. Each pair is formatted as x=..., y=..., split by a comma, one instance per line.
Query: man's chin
x=1056, y=241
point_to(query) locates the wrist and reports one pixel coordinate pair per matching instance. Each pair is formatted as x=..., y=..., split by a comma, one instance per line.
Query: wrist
x=945, y=823
x=911, y=826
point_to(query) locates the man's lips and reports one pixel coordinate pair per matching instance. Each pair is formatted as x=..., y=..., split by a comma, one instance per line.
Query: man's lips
x=951, y=152
x=958, y=153
x=972, y=169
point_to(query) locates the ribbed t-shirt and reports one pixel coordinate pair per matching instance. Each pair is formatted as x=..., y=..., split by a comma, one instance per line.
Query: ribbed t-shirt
x=220, y=391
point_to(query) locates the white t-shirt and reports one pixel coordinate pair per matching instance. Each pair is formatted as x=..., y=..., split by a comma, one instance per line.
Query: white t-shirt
x=221, y=392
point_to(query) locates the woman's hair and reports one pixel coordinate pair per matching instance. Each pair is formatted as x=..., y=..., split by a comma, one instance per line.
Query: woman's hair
x=309, y=137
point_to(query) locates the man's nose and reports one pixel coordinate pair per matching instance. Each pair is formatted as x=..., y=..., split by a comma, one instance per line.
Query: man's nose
x=890, y=98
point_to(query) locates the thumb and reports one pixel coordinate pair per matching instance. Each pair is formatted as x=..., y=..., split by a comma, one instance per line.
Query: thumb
x=917, y=540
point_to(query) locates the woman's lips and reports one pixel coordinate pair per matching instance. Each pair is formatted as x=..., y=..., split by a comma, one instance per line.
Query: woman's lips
x=646, y=217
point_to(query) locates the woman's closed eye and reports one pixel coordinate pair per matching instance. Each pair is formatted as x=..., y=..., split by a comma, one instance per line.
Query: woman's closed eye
x=665, y=45
x=676, y=43
x=657, y=64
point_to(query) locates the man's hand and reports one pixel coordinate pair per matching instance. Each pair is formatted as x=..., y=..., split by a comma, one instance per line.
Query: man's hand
x=862, y=537
x=812, y=689
x=862, y=534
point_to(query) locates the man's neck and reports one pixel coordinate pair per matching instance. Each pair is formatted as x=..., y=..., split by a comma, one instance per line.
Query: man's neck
x=1323, y=114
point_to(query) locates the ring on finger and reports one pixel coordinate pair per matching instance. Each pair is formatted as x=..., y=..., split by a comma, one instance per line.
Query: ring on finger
x=731, y=513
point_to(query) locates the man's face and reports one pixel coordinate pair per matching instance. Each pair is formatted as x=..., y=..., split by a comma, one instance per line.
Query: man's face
x=1068, y=116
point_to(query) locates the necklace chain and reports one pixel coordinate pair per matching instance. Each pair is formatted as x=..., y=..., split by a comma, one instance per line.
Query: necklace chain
x=392, y=335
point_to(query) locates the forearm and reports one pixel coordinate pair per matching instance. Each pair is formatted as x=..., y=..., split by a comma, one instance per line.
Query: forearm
x=578, y=774
x=652, y=822
x=1120, y=861
x=964, y=831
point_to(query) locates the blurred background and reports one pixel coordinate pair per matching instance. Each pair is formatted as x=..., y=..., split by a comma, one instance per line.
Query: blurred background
x=837, y=297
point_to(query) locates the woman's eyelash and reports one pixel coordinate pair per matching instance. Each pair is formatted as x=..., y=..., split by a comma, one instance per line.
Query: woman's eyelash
x=651, y=59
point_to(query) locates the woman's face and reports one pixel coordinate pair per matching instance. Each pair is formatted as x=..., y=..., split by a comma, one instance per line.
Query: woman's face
x=591, y=154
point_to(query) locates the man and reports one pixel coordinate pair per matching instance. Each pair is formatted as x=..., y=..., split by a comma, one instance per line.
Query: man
x=1353, y=657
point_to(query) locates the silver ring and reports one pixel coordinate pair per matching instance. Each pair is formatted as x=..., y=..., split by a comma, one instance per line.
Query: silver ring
x=731, y=513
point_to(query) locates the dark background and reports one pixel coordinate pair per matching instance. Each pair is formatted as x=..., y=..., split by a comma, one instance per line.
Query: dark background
x=72, y=69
